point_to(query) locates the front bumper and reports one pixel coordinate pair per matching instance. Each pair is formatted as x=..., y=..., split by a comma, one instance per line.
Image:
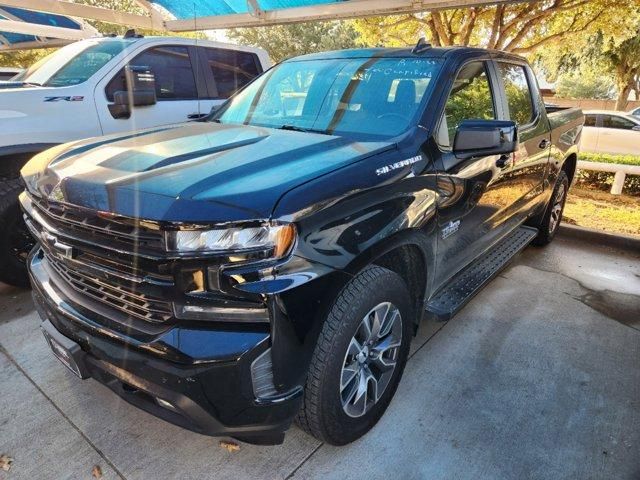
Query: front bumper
x=164, y=376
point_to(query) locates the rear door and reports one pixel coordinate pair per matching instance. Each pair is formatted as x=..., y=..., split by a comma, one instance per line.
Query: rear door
x=618, y=136
x=226, y=71
x=525, y=107
x=475, y=193
x=174, y=67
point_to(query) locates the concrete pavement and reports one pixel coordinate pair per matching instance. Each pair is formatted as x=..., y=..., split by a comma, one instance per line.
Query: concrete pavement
x=538, y=377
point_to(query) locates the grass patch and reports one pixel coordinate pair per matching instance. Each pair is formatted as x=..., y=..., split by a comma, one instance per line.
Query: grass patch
x=607, y=158
x=603, y=211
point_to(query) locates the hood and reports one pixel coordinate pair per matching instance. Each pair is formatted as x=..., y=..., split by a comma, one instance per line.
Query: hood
x=195, y=172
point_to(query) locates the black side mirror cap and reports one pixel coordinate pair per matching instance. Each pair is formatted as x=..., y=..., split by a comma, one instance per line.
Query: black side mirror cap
x=475, y=138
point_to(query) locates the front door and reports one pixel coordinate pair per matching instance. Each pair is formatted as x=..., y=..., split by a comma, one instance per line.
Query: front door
x=176, y=91
x=474, y=195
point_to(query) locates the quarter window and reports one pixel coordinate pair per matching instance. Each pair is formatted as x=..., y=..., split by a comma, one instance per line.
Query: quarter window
x=518, y=92
x=470, y=99
x=173, y=73
x=231, y=69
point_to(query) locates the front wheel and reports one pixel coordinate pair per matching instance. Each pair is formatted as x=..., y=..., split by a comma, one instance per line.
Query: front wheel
x=15, y=240
x=550, y=223
x=359, y=359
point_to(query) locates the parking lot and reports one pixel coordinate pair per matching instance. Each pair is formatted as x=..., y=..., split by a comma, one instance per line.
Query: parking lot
x=538, y=377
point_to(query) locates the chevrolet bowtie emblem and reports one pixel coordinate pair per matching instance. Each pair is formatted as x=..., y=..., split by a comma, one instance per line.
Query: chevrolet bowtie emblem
x=62, y=249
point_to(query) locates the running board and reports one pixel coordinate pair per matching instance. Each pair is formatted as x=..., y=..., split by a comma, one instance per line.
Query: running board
x=463, y=287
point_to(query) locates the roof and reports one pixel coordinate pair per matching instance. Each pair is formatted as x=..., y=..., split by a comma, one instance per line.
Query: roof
x=402, y=52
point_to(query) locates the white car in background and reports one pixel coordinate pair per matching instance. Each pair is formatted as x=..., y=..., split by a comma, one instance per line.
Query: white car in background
x=635, y=112
x=612, y=132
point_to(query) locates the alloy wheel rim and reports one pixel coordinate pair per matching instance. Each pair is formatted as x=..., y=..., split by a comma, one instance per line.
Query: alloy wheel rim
x=370, y=359
x=556, y=209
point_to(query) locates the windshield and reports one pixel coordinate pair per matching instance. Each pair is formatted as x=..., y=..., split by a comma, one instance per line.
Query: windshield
x=73, y=64
x=363, y=97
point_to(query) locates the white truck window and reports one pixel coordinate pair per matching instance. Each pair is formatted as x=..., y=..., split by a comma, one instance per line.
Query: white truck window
x=172, y=68
x=231, y=69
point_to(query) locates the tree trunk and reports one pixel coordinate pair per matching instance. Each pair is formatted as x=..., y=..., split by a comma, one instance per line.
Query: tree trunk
x=623, y=96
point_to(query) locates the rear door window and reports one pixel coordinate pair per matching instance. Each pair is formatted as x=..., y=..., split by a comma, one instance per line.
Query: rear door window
x=614, y=121
x=173, y=72
x=518, y=92
x=231, y=69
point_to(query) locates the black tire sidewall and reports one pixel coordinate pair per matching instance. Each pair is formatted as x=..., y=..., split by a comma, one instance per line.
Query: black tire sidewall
x=12, y=270
x=338, y=427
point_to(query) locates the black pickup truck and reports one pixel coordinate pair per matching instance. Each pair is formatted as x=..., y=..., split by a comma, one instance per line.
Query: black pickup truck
x=273, y=262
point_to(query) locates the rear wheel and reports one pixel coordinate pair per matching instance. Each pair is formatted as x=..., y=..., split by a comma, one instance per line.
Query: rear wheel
x=359, y=358
x=15, y=240
x=550, y=222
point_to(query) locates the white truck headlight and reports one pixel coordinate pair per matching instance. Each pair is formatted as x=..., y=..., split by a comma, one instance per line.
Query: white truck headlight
x=277, y=239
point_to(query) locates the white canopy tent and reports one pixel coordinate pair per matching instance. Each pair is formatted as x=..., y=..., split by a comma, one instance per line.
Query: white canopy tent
x=191, y=15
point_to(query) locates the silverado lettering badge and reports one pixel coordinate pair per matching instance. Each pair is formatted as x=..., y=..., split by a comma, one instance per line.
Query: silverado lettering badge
x=66, y=98
x=450, y=228
x=400, y=164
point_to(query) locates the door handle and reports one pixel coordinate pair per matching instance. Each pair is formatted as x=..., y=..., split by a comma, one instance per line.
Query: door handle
x=195, y=116
x=503, y=161
x=544, y=144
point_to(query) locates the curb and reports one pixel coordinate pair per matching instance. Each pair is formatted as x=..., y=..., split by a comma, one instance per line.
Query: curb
x=620, y=240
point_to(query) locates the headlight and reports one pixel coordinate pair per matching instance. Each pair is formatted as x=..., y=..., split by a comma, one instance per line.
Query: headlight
x=276, y=239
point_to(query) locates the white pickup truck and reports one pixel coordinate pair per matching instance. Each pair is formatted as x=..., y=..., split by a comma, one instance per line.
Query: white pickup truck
x=104, y=86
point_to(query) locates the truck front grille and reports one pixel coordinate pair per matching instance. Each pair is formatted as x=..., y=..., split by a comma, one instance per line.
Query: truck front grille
x=99, y=226
x=116, y=278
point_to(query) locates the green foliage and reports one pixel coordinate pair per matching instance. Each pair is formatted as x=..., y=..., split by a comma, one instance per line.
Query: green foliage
x=285, y=41
x=586, y=83
x=604, y=180
x=609, y=158
x=523, y=28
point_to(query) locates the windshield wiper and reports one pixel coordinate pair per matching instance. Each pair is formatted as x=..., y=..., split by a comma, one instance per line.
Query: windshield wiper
x=301, y=129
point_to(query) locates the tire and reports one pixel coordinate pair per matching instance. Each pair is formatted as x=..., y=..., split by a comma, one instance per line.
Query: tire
x=548, y=226
x=15, y=240
x=327, y=413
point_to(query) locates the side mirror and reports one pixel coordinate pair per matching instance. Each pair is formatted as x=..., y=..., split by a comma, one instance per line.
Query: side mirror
x=636, y=128
x=475, y=138
x=141, y=91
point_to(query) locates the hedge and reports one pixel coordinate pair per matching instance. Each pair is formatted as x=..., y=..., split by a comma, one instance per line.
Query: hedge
x=604, y=180
x=608, y=158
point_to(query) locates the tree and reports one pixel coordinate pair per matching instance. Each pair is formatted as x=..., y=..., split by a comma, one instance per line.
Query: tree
x=284, y=41
x=586, y=82
x=521, y=28
x=624, y=62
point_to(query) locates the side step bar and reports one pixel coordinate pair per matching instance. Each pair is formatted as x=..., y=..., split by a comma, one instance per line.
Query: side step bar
x=463, y=287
